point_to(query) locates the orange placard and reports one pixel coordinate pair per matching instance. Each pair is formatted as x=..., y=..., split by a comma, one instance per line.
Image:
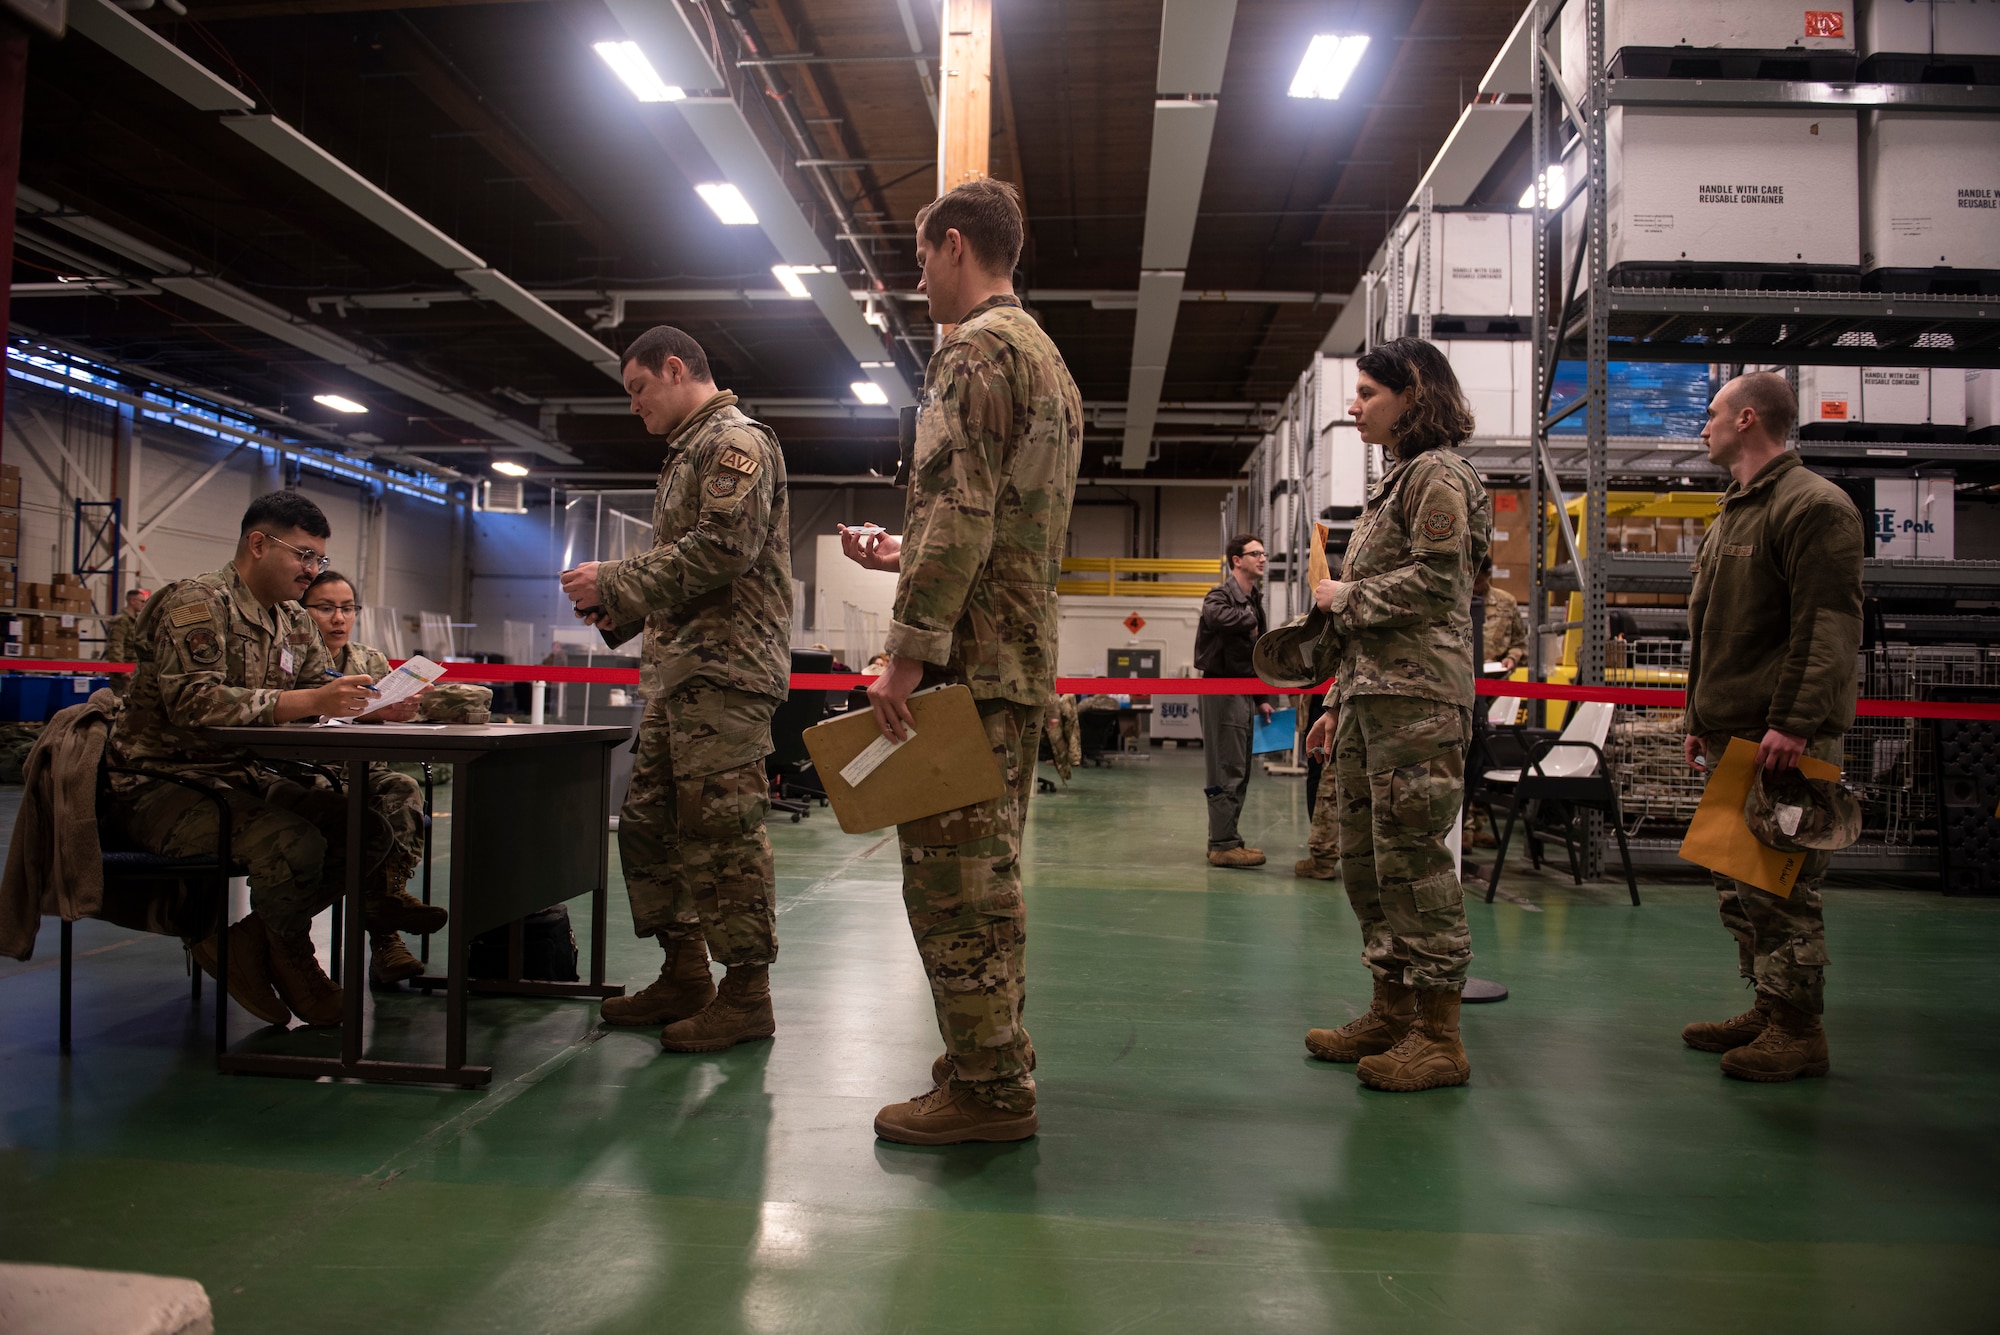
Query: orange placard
x=1718, y=837
x=1825, y=23
x=1833, y=410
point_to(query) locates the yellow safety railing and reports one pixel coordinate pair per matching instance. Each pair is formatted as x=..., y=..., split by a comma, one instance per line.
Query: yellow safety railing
x=1108, y=583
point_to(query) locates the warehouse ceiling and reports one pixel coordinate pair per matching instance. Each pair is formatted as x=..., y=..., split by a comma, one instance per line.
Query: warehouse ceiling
x=498, y=125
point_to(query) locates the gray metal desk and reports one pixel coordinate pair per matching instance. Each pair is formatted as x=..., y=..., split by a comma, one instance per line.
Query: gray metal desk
x=531, y=815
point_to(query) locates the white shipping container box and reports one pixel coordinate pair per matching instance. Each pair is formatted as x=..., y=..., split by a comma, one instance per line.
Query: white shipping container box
x=1498, y=379
x=1740, y=25
x=1728, y=187
x=1177, y=717
x=1982, y=399
x=1481, y=263
x=1930, y=191
x=1914, y=517
x=1345, y=468
x=1907, y=395
x=1930, y=27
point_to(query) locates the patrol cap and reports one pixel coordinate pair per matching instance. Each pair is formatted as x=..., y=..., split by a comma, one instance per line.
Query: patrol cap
x=1302, y=652
x=458, y=702
x=1795, y=814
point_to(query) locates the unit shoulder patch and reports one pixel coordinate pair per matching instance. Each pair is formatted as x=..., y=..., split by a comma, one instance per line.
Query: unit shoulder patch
x=1439, y=525
x=188, y=614
x=737, y=461
x=723, y=485
x=203, y=646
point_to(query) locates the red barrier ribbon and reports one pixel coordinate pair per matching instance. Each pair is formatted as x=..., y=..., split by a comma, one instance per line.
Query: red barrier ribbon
x=1636, y=696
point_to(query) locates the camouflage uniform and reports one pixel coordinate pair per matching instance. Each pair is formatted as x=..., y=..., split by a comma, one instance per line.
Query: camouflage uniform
x=1506, y=630
x=714, y=598
x=999, y=440
x=1065, y=738
x=118, y=647
x=1774, y=623
x=209, y=656
x=399, y=796
x=1405, y=696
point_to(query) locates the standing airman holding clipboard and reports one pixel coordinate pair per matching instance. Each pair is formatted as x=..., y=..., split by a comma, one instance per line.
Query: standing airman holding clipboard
x=1774, y=624
x=992, y=476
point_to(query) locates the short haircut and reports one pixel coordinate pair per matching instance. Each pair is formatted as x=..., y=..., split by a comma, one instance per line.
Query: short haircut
x=1770, y=396
x=987, y=213
x=284, y=511
x=1236, y=546
x=1438, y=413
x=652, y=348
x=330, y=577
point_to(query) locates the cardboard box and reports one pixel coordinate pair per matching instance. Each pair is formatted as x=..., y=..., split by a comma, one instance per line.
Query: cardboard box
x=1929, y=28
x=1930, y=191
x=1915, y=517
x=1689, y=186
x=38, y=595
x=10, y=472
x=10, y=493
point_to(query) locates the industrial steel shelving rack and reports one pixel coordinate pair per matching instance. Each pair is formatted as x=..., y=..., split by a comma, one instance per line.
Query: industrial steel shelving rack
x=1733, y=327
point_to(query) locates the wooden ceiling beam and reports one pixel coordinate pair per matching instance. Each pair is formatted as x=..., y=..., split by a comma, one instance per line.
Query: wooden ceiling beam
x=283, y=9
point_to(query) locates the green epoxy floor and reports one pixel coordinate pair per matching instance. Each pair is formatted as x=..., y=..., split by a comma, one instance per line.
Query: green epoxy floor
x=1196, y=1172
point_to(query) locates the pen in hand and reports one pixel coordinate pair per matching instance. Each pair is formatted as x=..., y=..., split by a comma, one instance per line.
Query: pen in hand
x=337, y=676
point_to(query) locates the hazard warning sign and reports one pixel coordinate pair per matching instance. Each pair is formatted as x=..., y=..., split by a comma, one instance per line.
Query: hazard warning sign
x=1135, y=623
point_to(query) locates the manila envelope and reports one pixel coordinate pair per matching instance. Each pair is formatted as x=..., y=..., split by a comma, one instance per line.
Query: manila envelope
x=1718, y=837
x=947, y=764
x=1316, y=566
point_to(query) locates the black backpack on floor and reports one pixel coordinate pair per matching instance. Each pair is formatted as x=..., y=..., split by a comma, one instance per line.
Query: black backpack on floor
x=548, y=949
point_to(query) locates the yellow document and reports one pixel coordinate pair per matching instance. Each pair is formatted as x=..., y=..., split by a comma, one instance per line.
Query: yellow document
x=1718, y=837
x=1316, y=566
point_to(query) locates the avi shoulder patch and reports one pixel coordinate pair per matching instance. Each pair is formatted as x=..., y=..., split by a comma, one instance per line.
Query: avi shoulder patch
x=736, y=461
x=189, y=614
x=1439, y=525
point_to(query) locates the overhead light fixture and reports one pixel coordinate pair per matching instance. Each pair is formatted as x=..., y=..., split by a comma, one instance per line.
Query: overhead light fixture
x=508, y=468
x=788, y=278
x=629, y=63
x=728, y=203
x=1328, y=65
x=340, y=403
x=1558, y=188
x=869, y=392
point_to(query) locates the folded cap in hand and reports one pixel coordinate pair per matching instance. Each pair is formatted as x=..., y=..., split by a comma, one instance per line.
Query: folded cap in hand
x=1792, y=813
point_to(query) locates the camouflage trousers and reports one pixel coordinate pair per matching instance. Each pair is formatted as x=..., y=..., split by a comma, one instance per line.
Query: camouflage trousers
x=962, y=888
x=400, y=800
x=1780, y=943
x=1399, y=783
x=691, y=836
x=1323, y=835
x=291, y=836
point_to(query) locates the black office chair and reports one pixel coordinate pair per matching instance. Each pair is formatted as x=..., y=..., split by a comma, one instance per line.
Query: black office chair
x=794, y=784
x=127, y=868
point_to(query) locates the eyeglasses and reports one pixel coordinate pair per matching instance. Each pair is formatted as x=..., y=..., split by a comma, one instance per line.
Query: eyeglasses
x=334, y=609
x=1259, y=554
x=312, y=561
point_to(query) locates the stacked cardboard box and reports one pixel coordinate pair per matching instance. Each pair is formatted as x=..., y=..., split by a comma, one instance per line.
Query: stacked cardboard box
x=49, y=637
x=10, y=534
x=10, y=487
x=1513, y=544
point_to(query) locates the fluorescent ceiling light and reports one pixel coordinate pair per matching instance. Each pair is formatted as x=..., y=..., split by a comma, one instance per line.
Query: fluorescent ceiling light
x=509, y=467
x=629, y=63
x=1328, y=65
x=728, y=203
x=869, y=392
x=340, y=403
x=788, y=278
x=1558, y=183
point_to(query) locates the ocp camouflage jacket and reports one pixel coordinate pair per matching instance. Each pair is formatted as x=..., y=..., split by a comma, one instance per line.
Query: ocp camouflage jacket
x=999, y=440
x=210, y=657
x=714, y=595
x=1404, y=608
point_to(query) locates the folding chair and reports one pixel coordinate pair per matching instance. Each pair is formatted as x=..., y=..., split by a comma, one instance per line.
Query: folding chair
x=1573, y=772
x=125, y=865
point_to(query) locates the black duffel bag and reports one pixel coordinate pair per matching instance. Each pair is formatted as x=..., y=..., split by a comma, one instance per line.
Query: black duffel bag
x=548, y=949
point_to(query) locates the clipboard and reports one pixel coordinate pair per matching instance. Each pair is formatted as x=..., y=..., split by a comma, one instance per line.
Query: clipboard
x=1718, y=837
x=947, y=764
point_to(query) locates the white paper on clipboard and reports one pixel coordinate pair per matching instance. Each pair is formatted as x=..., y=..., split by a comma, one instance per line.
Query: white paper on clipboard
x=404, y=682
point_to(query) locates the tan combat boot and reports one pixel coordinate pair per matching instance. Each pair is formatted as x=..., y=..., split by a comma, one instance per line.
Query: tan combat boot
x=401, y=911
x=1735, y=1032
x=1792, y=1045
x=389, y=960
x=740, y=1012
x=1430, y=1055
x=1310, y=869
x=1377, y=1029
x=953, y=1116
x=301, y=983
x=1240, y=856
x=683, y=988
x=249, y=970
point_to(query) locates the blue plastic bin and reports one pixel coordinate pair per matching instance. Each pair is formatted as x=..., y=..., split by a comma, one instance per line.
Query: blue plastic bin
x=30, y=697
